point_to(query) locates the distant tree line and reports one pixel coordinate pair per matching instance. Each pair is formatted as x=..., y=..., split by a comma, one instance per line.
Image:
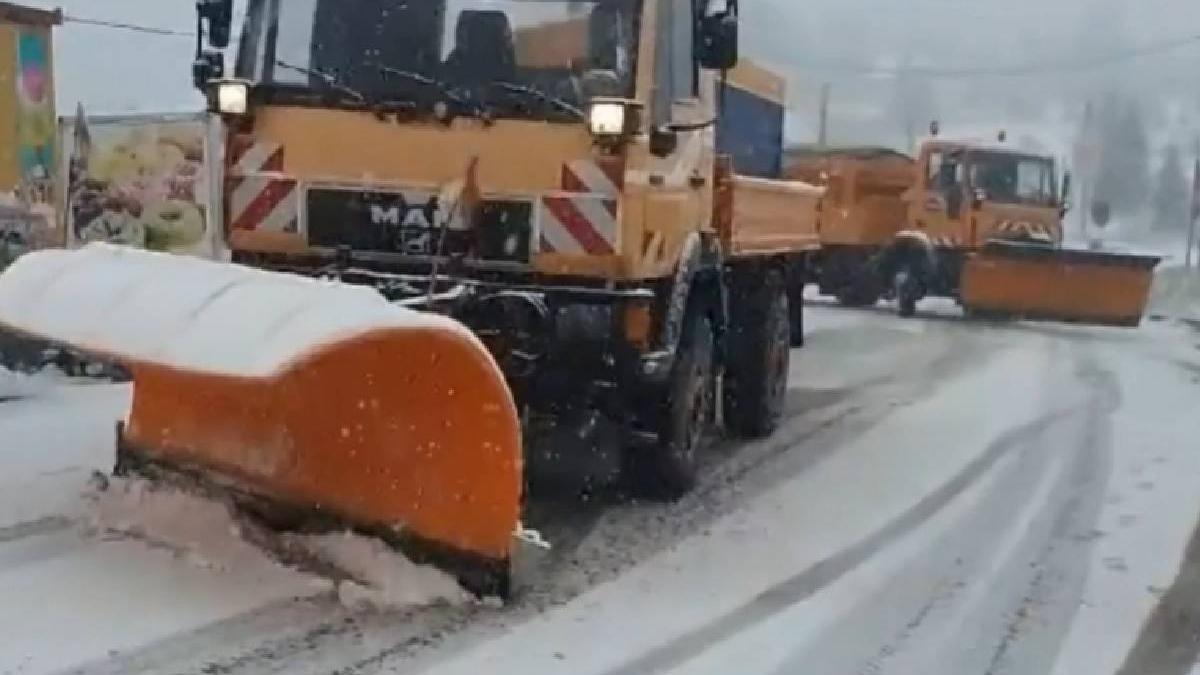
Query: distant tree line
x=1124, y=173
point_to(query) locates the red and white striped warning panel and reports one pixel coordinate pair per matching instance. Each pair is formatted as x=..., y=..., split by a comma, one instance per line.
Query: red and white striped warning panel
x=577, y=224
x=583, y=220
x=258, y=197
x=605, y=178
x=1025, y=229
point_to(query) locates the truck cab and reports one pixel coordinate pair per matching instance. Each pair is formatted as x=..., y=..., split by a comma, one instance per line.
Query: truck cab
x=588, y=124
x=969, y=193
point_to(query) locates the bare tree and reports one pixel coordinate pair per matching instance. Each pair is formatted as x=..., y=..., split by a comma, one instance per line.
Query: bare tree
x=1171, y=193
x=1123, y=174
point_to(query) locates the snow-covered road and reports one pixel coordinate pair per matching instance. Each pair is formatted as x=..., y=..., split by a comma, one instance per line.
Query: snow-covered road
x=945, y=497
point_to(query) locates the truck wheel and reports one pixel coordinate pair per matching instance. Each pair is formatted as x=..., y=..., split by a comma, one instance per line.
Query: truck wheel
x=685, y=415
x=796, y=280
x=796, y=317
x=906, y=291
x=759, y=359
x=859, y=293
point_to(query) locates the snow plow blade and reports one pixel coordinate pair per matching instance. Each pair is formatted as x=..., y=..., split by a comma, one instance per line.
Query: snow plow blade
x=1040, y=282
x=295, y=394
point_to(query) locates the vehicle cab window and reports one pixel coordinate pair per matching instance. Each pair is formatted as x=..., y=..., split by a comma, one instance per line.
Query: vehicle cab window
x=943, y=172
x=677, y=75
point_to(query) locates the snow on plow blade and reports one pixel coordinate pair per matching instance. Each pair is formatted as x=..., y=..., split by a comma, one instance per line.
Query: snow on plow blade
x=1035, y=281
x=309, y=396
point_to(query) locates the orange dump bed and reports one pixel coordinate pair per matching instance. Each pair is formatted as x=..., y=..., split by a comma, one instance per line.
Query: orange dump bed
x=864, y=200
x=772, y=217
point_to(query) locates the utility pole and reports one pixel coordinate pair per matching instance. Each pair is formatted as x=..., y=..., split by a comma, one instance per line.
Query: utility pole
x=1194, y=211
x=823, y=123
x=1087, y=156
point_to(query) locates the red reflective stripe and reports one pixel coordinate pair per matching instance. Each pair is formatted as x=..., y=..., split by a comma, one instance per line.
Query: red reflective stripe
x=614, y=168
x=572, y=182
x=238, y=146
x=577, y=225
x=274, y=162
x=263, y=204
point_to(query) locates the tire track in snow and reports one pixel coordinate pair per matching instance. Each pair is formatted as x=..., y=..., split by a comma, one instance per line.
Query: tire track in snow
x=33, y=528
x=808, y=582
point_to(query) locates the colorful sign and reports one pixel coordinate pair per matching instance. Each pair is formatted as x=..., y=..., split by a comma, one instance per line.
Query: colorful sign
x=35, y=106
x=138, y=181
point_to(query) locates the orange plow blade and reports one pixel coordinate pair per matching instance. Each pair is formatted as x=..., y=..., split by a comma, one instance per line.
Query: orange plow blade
x=305, y=395
x=1033, y=281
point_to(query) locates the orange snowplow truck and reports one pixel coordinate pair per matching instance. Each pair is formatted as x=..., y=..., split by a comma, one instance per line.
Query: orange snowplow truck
x=555, y=176
x=977, y=222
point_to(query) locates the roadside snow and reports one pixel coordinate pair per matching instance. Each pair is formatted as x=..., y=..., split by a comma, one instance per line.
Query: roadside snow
x=1176, y=293
x=125, y=568
x=50, y=442
x=200, y=531
x=384, y=578
x=15, y=385
x=207, y=534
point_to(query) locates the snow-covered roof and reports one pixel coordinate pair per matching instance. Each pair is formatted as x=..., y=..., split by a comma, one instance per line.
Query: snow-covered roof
x=191, y=313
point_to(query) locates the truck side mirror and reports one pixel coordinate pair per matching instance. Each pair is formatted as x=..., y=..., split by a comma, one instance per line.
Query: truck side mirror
x=663, y=141
x=219, y=15
x=717, y=48
x=208, y=66
x=1065, y=200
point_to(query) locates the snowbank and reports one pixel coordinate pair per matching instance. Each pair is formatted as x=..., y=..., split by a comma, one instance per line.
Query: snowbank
x=383, y=578
x=1176, y=293
x=16, y=385
x=207, y=534
x=191, y=313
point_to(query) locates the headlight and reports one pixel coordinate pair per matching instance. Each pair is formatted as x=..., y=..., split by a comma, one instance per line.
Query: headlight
x=607, y=118
x=232, y=97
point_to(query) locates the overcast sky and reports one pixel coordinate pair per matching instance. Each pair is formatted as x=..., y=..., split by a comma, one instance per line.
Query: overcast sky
x=811, y=41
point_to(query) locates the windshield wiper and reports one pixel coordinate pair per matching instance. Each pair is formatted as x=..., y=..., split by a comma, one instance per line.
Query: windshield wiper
x=379, y=108
x=446, y=90
x=540, y=95
x=329, y=80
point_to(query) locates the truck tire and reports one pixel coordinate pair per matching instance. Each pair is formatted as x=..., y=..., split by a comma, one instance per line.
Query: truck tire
x=796, y=318
x=670, y=472
x=906, y=291
x=759, y=359
x=795, y=296
x=861, y=291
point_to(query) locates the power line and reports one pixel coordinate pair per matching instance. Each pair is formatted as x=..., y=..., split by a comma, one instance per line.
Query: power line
x=128, y=26
x=1016, y=70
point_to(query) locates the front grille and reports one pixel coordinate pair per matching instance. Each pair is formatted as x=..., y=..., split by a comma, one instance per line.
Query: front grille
x=404, y=222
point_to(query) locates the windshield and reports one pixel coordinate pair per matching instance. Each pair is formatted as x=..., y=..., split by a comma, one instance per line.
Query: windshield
x=1014, y=179
x=568, y=50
